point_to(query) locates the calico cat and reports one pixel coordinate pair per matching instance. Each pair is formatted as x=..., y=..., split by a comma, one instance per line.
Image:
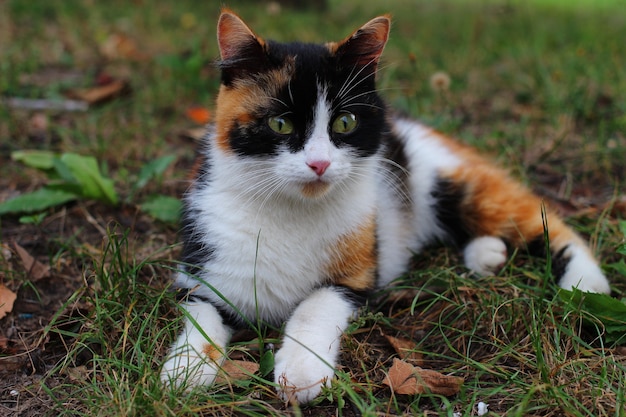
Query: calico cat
x=310, y=194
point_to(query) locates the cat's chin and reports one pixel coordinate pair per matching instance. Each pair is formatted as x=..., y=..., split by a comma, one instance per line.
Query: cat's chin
x=315, y=189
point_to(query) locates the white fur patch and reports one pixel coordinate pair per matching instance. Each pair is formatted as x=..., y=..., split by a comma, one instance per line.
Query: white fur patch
x=194, y=360
x=583, y=272
x=485, y=255
x=402, y=234
x=307, y=359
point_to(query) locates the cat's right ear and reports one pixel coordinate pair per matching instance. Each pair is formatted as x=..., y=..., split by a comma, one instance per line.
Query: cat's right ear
x=365, y=46
x=242, y=52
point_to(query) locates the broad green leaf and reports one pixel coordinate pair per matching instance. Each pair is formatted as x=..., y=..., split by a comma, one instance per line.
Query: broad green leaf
x=610, y=311
x=43, y=160
x=153, y=169
x=162, y=207
x=64, y=173
x=94, y=185
x=620, y=267
x=36, y=218
x=266, y=364
x=36, y=201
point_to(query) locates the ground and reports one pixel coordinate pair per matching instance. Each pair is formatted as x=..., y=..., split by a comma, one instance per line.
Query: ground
x=93, y=318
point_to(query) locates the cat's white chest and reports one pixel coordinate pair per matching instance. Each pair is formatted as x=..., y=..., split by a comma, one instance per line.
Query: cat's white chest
x=267, y=258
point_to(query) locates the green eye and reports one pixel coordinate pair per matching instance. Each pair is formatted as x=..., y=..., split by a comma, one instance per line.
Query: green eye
x=344, y=123
x=280, y=125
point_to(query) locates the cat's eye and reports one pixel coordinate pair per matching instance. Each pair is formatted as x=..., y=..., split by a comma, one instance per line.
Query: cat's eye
x=280, y=124
x=344, y=123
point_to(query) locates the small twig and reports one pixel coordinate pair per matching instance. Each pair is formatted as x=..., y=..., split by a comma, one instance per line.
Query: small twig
x=45, y=104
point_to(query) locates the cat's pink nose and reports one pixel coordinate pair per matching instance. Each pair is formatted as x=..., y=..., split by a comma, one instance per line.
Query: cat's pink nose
x=319, y=167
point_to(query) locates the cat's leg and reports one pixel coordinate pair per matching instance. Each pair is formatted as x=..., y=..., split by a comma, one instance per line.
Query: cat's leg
x=198, y=353
x=306, y=361
x=485, y=208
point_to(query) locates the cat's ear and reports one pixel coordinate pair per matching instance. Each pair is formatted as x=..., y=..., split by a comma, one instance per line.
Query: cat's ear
x=365, y=46
x=241, y=51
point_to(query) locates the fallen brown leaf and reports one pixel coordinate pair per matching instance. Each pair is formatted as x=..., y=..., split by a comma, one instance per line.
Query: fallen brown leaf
x=233, y=370
x=100, y=93
x=118, y=45
x=79, y=373
x=405, y=348
x=35, y=269
x=195, y=134
x=404, y=378
x=7, y=298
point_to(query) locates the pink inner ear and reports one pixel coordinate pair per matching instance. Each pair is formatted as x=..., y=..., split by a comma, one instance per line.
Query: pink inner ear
x=233, y=35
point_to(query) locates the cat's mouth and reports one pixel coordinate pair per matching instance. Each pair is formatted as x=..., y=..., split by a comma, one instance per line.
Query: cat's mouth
x=314, y=189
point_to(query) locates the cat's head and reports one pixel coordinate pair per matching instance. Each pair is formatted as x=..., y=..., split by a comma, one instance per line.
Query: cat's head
x=307, y=114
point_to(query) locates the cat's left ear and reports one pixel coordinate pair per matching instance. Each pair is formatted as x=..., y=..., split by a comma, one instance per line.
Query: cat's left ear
x=365, y=46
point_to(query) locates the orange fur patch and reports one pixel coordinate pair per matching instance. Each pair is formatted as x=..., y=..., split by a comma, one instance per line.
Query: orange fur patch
x=212, y=352
x=239, y=102
x=497, y=205
x=353, y=262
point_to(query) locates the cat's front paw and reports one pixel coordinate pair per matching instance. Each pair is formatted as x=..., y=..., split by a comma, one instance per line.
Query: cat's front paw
x=485, y=255
x=300, y=374
x=186, y=368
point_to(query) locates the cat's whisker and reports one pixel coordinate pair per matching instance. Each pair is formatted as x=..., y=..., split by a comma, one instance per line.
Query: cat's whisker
x=349, y=85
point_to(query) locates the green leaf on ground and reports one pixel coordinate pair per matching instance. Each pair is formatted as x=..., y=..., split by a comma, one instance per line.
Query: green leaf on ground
x=43, y=160
x=153, y=169
x=610, y=311
x=36, y=201
x=86, y=171
x=162, y=207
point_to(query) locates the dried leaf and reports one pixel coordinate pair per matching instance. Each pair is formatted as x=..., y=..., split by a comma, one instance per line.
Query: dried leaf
x=118, y=46
x=196, y=134
x=78, y=374
x=36, y=269
x=404, y=378
x=4, y=342
x=237, y=370
x=401, y=378
x=405, y=348
x=199, y=115
x=100, y=93
x=7, y=298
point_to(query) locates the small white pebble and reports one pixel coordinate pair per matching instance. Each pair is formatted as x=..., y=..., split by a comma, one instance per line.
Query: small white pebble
x=457, y=414
x=482, y=408
x=14, y=393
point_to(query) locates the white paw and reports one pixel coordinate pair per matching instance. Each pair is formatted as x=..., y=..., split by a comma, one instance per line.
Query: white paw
x=195, y=360
x=187, y=368
x=485, y=255
x=300, y=374
x=583, y=273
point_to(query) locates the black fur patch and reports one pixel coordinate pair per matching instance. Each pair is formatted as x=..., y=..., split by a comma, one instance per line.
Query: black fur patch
x=356, y=298
x=347, y=90
x=395, y=153
x=448, y=208
x=195, y=252
x=537, y=248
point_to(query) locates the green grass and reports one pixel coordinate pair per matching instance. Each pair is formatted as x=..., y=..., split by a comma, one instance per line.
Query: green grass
x=538, y=84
